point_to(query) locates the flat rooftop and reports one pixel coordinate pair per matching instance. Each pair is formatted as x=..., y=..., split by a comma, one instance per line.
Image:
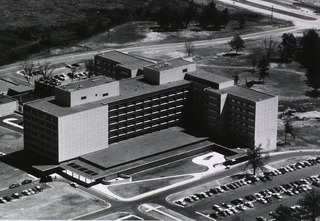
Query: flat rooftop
x=129, y=88
x=21, y=88
x=169, y=64
x=126, y=60
x=5, y=99
x=86, y=83
x=142, y=146
x=137, y=151
x=245, y=93
x=207, y=77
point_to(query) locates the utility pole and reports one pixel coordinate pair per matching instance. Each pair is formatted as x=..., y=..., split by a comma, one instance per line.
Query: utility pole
x=271, y=13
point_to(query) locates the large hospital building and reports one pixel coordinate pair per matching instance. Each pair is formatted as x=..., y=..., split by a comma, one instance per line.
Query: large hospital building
x=89, y=115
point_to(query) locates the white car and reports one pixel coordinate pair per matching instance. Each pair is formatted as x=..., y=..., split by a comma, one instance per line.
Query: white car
x=73, y=184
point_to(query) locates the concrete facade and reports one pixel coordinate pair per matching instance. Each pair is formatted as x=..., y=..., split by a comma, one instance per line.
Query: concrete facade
x=86, y=91
x=82, y=133
x=168, y=71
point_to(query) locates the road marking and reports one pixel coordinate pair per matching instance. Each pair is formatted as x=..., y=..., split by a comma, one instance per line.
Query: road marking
x=129, y=216
x=159, y=211
x=9, y=121
x=88, y=214
x=205, y=215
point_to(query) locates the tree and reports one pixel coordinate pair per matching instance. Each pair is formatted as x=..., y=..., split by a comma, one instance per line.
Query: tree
x=27, y=68
x=241, y=22
x=309, y=56
x=236, y=78
x=288, y=129
x=236, y=43
x=189, y=48
x=284, y=213
x=46, y=69
x=310, y=205
x=256, y=159
x=163, y=17
x=309, y=50
x=90, y=67
x=263, y=68
x=269, y=47
x=288, y=46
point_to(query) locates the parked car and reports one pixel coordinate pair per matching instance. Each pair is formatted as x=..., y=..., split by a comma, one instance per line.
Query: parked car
x=26, y=181
x=16, y=195
x=14, y=185
x=7, y=198
x=75, y=185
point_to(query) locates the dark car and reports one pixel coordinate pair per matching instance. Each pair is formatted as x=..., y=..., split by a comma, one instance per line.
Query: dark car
x=26, y=182
x=14, y=185
x=7, y=198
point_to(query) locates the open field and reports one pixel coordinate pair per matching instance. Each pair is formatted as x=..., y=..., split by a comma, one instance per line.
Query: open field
x=63, y=201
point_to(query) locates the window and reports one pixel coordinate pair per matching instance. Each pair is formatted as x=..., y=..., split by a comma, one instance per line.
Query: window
x=185, y=70
x=84, y=97
x=105, y=94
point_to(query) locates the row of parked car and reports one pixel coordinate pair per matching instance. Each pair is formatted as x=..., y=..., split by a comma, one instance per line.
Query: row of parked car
x=27, y=192
x=213, y=191
x=264, y=196
x=18, y=194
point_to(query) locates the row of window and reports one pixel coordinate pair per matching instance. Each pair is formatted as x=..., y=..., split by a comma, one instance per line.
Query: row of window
x=40, y=114
x=140, y=131
x=242, y=103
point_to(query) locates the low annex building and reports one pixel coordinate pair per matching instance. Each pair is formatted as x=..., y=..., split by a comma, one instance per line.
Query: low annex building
x=89, y=115
x=118, y=65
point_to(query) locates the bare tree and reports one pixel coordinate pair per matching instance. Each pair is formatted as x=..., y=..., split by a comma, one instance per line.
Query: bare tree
x=269, y=47
x=46, y=69
x=256, y=159
x=189, y=48
x=28, y=68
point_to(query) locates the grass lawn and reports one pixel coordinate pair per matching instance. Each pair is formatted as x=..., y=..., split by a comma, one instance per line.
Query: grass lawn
x=59, y=202
x=133, y=189
x=10, y=141
x=10, y=175
x=180, y=167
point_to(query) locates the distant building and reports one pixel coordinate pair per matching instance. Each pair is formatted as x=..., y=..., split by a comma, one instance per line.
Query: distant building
x=7, y=105
x=88, y=115
x=311, y=2
x=119, y=65
x=19, y=90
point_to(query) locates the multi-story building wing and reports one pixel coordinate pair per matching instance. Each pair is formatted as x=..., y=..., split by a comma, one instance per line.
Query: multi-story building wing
x=88, y=115
x=119, y=65
x=244, y=117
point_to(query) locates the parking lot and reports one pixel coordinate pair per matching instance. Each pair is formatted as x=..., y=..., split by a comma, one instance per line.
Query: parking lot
x=258, y=194
x=57, y=202
x=17, y=191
